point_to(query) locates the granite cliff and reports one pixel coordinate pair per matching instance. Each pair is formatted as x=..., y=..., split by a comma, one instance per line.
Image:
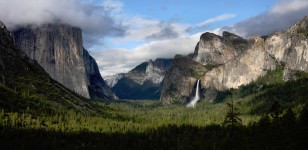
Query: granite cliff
x=25, y=85
x=142, y=82
x=58, y=49
x=98, y=88
x=229, y=61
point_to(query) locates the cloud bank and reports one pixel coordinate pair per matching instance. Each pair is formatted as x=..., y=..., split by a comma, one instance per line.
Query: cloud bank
x=164, y=39
x=122, y=60
x=282, y=15
x=115, y=61
x=96, y=20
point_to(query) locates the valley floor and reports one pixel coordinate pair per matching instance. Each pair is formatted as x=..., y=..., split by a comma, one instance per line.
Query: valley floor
x=250, y=117
x=149, y=125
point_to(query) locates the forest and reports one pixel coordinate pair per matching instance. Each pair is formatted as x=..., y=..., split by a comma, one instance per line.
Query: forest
x=274, y=116
x=278, y=129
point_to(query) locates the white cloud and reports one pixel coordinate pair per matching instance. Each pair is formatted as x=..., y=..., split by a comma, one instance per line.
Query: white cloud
x=140, y=29
x=164, y=40
x=122, y=60
x=215, y=19
x=282, y=15
x=99, y=19
x=287, y=6
x=96, y=20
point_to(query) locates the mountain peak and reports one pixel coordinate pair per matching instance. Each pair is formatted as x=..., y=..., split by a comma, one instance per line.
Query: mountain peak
x=215, y=49
x=208, y=36
x=301, y=27
x=2, y=26
x=5, y=36
x=231, y=36
x=229, y=61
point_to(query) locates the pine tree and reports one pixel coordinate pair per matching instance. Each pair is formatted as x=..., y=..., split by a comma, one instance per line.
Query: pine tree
x=304, y=116
x=275, y=111
x=232, y=118
x=289, y=119
x=232, y=121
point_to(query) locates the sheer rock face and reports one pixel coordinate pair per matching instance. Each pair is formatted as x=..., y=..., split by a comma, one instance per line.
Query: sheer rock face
x=218, y=50
x=237, y=62
x=113, y=79
x=180, y=80
x=243, y=69
x=143, y=82
x=98, y=89
x=58, y=49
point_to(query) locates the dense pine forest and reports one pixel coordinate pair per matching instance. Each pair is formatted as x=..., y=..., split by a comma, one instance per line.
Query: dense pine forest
x=265, y=114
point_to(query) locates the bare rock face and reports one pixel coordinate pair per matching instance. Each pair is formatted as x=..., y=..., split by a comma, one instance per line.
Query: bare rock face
x=113, y=79
x=98, y=89
x=231, y=61
x=243, y=69
x=299, y=27
x=143, y=82
x=218, y=50
x=180, y=80
x=58, y=49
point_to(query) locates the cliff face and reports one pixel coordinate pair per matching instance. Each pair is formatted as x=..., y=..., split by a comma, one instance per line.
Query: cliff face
x=218, y=50
x=143, y=82
x=232, y=61
x=179, y=82
x=58, y=49
x=98, y=89
x=25, y=85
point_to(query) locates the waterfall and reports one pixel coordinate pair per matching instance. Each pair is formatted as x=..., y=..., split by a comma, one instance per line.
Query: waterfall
x=193, y=102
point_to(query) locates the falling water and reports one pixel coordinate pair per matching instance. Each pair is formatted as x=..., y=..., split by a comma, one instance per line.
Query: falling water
x=196, y=98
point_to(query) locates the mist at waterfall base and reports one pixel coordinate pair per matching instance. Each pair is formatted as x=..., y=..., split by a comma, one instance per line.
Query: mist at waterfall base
x=194, y=101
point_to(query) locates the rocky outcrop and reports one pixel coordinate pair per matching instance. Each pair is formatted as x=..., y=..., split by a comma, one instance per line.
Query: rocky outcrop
x=234, y=61
x=143, y=82
x=242, y=70
x=218, y=49
x=180, y=79
x=6, y=38
x=113, y=79
x=58, y=49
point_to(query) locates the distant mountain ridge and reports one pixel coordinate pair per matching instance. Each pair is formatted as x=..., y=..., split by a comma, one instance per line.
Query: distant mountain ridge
x=58, y=49
x=142, y=82
x=229, y=61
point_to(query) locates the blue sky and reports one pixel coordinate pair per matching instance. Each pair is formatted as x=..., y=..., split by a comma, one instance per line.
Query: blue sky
x=121, y=34
x=189, y=12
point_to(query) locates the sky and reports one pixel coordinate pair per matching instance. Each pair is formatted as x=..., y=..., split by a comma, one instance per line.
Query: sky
x=121, y=34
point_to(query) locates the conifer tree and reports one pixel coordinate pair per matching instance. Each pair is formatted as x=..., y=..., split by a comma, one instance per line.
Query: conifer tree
x=275, y=111
x=232, y=118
